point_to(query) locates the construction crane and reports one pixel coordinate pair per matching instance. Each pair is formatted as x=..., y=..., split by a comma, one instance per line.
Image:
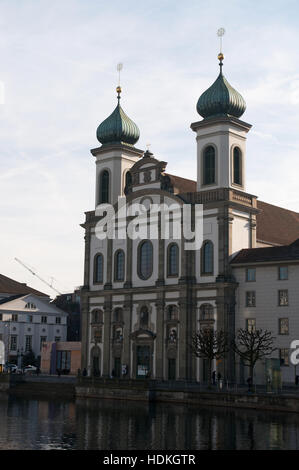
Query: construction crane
x=35, y=274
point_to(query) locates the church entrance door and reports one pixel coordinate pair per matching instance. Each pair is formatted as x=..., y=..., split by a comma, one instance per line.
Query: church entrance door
x=143, y=362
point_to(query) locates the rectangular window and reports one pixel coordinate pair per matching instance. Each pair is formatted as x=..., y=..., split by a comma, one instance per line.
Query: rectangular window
x=13, y=342
x=250, y=324
x=28, y=343
x=283, y=298
x=58, y=320
x=0, y=316
x=283, y=273
x=29, y=318
x=283, y=326
x=14, y=317
x=250, y=274
x=250, y=299
x=284, y=357
x=43, y=339
x=44, y=320
x=57, y=339
x=63, y=361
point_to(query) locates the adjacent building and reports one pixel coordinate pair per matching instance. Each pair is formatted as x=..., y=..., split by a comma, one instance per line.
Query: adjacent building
x=27, y=319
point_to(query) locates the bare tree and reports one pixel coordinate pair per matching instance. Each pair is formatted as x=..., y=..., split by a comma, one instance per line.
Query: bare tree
x=252, y=346
x=209, y=344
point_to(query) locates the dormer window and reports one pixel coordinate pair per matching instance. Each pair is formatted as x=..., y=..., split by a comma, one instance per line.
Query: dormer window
x=30, y=305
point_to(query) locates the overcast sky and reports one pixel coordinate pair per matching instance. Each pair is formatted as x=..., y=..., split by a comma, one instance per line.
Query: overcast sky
x=58, y=66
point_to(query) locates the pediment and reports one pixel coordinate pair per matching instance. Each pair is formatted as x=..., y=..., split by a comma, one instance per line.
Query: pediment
x=142, y=334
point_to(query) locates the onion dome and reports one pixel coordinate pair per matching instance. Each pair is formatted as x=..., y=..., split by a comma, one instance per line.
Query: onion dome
x=118, y=128
x=221, y=99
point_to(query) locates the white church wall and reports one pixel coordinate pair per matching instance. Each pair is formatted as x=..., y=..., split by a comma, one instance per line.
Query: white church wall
x=240, y=231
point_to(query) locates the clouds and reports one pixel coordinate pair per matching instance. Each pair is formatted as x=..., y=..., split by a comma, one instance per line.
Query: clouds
x=58, y=64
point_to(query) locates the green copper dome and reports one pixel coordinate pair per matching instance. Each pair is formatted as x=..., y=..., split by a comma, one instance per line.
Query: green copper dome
x=118, y=128
x=221, y=99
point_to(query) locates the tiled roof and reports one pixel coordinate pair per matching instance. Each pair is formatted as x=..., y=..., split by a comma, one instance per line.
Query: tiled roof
x=10, y=286
x=268, y=254
x=275, y=225
x=182, y=185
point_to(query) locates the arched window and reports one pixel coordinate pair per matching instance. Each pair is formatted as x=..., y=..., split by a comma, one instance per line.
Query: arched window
x=97, y=316
x=144, y=317
x=209, y=165
x=173, y=260
x=98, y=268
x=104, y=187
x=207, y=257
x=172, y=312
x=119, y=265
x=118, y=315
x=237, y=166
x=206, y=312
x=145, y=259
x=128, y=182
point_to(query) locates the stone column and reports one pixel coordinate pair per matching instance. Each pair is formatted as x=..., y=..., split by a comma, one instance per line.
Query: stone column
x=129, y=262
x=161, y=254
x=85, y=341
x=108, y=284
x=107, y=336
x=126, y=358
x=160, y=339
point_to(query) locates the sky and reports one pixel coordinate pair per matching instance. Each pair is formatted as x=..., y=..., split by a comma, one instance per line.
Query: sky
x=58, y=70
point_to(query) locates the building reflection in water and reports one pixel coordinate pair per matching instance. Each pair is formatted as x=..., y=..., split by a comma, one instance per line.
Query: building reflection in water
x=112, y=424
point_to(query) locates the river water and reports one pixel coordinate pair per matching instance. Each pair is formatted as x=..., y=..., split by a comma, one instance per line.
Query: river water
x=112, y=425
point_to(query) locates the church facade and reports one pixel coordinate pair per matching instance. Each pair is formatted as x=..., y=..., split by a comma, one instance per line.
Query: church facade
x=144, y=298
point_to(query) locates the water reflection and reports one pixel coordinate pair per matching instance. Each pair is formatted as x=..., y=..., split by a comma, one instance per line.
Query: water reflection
x=105, y=424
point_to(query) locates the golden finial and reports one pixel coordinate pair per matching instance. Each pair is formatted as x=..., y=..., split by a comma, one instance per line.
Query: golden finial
x=118, y=89
x=220, y=34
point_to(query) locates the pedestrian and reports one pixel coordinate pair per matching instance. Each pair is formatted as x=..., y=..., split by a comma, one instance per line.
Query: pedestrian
x=218, y=376
x=58, y=372
x=84, y=373
x=214, y=377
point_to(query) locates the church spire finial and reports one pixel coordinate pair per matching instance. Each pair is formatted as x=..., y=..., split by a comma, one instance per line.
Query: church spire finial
x=220, y=34
x=118, y=88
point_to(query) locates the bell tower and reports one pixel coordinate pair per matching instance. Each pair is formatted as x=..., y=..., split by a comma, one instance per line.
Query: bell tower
x=221, y=136
x=118, y=135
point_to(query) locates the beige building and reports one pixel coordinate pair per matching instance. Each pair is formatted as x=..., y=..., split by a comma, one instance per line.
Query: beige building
x=64, y=356
x=144, y=298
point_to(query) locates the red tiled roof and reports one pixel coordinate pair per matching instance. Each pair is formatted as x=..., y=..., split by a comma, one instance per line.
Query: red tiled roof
x=9, y=286
x=182, y=185
x=272, y=253
x=275, y=225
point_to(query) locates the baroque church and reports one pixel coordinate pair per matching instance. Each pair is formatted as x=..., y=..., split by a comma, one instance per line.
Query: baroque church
x=143, y=299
